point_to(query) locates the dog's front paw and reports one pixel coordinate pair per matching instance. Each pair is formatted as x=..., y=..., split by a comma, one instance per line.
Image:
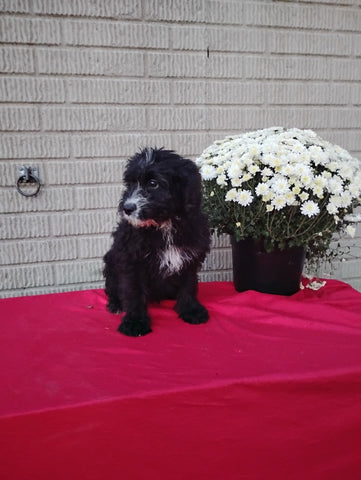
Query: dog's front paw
x=194, y=313
x=134, y=325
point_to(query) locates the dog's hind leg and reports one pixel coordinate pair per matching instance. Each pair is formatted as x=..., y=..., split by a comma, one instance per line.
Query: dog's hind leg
x=112, y=290
x=187, y=305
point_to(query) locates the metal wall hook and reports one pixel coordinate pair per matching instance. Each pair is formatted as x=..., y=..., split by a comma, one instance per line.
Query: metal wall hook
x=28, y=175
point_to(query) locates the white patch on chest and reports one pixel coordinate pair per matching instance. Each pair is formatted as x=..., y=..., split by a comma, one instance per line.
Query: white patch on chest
x=172, y=258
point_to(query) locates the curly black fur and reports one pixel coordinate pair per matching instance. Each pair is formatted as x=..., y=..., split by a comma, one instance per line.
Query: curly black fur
x=160, y=242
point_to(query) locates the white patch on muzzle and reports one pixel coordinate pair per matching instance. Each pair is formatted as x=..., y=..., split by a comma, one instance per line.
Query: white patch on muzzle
x=139, y=201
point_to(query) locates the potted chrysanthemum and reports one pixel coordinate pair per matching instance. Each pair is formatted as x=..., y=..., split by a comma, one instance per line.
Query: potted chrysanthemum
x=279, y=193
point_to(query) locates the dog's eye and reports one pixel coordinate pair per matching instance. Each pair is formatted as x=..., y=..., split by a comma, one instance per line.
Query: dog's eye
x=153, y=183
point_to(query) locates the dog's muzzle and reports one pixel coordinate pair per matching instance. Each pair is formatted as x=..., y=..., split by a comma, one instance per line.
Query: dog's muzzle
x=129, y=207
x=131, y=212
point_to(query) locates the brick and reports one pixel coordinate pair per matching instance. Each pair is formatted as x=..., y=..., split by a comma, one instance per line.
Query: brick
x=30, y=251
x=178, y=118
x=44, y=290
x=94, y=118
x=345, y=69
x=190, y=38
x=347, y=19
x=287, y=67
x=94, y=246
x=118, y=91
x=8, y=173
x=24, y=226
x=230, y=39
x=312, y=93
x=190, y=92
x=176, y=65
x=19, y=118
x=189, y=144
x=16, y=60
x=351, y=269
x=220, y=241
x=83, y=223
x=89, y=8
x=89, y=62
x=218, y=260
x=345, y=118
x=216, y=276
x=31, y=90
x=83, y=172
x=116, y=34
x=355, y=283
x=16, y=6
x=116, y=144
x=289, y=15
x=33, y=146
x=48, y=199
x=348, y=139
x=307, y=43
x=78, y=272
x=26, y=276
x=225, y=12
x=29, y=30
x=232, y=66
x=97, y=197
x=176, y=10
x=219, y=92
x=242, y=118
x=257, y=13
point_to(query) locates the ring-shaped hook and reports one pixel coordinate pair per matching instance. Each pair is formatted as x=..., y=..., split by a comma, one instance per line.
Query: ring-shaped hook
x=29, y=178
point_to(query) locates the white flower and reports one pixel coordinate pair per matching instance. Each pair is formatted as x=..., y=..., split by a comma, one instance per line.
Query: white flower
x=235, y=170
x=318, y=191
x=290, y=198
x=221, y=180
x=320, y=181
x=332, y=166
x=318, y=156
x=208, y=172
x=253, y=169
x=346, y=199
x=306, y=179
x=332, y=208
x=304, y=196
x=280, y=185
x=262, y=189
x=231, y=195
x=244, y=197
x=336, y=200
x=335, y=185
x=236, y=182
x=267, y=172
x=310, y=208
x=350, y=230
x=279, y=202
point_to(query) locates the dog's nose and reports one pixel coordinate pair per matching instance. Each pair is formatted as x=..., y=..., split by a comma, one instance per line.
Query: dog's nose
x=129, y=207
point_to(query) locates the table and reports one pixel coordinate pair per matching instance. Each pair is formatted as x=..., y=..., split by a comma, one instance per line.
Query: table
x=269, y=388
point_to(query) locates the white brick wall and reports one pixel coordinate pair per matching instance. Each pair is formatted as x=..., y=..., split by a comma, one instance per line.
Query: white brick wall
x=84, y=84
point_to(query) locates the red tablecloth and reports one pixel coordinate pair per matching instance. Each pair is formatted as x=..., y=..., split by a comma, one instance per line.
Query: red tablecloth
x=269, y=388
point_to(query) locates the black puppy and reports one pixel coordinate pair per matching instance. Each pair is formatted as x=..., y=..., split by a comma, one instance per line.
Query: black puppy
x=160, y=242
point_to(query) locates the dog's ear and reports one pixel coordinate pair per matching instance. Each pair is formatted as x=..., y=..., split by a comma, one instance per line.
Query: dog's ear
x=189, y=189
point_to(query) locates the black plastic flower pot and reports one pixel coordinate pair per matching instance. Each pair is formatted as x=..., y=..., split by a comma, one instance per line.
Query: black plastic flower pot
x=278, y=272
